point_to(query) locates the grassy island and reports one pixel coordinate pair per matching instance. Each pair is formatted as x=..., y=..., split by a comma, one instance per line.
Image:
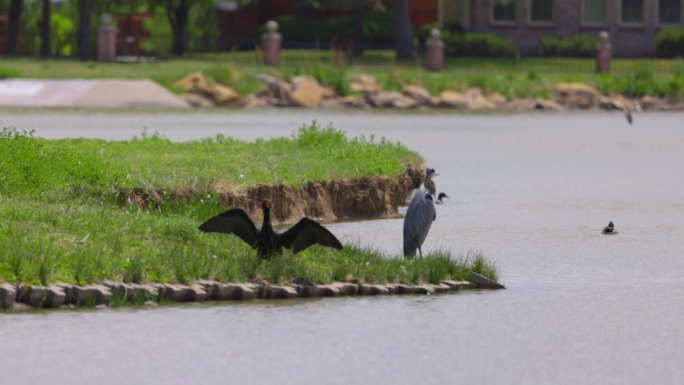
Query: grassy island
x=63, y=219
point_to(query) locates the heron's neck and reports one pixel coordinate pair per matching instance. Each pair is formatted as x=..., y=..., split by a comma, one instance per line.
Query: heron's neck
x=430, y=186
x=267, y=220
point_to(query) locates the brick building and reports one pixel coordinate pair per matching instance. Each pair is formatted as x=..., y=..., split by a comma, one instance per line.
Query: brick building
x=633, y=24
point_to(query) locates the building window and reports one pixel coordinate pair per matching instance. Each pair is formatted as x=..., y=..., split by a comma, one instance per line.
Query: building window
x=541, y=11
x=670, y=11
x=594, y=11
x=632, y=11
x=503, y=11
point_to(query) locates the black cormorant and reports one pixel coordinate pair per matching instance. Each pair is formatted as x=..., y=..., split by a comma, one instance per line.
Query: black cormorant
x=305, y=233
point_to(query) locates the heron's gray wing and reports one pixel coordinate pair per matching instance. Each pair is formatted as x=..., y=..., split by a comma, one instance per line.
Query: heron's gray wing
x=417, y=221
x=308, y=232
x=233, y=221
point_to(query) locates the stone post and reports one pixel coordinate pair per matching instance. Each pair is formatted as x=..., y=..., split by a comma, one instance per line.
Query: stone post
x=434, y=51
x=106, y=39
x=270, y=43
x=604, y=52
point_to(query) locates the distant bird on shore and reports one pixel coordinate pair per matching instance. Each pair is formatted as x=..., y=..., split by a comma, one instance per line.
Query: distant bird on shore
x=617, y=105
x=305, y=233
x=610, y=229
x=628, y=114
x=441, y=196
x=420, y=215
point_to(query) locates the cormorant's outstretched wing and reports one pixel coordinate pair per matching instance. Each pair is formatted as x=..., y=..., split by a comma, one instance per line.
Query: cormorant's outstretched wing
x=308, y=232
x=233, y=221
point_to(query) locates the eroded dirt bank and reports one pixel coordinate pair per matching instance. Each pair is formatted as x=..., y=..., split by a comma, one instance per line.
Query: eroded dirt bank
x=368, y=197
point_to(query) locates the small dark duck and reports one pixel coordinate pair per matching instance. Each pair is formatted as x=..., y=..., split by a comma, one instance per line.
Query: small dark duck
x=610, y=229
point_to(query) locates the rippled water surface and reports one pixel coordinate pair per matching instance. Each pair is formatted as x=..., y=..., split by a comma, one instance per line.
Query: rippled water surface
x=530, y=191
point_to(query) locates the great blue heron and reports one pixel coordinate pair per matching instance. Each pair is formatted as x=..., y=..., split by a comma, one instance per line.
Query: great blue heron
x=441, y=196
x=420, y=215
x=305, y=233
x=610, y=229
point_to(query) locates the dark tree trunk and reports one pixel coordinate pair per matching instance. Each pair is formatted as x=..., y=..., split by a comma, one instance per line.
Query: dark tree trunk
x=403, y=30
x=45, y=29
x=178, y=17
x=357, y=40
x=14, y=15
x=85, y=11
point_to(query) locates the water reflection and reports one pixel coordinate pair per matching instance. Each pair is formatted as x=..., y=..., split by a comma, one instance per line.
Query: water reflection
x=530, y=191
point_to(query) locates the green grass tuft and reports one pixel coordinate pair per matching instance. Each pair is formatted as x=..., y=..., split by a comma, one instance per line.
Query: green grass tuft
x=42, y=243
x=151, y=162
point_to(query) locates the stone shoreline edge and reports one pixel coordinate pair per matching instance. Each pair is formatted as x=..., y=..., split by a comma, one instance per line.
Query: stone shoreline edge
x=20, y=297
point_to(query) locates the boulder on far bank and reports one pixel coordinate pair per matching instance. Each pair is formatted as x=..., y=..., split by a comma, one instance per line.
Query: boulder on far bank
x=364, y=84
x=192, y=80
x=417, y=93
x=576, y=95
x=307, y=92
x=390, y=99
x=453, y=99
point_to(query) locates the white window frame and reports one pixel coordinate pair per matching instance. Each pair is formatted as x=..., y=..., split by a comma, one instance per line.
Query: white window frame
x=585, y=23
x=631, y=23
x=493, y=21
x=542, y=23
x=681, y=15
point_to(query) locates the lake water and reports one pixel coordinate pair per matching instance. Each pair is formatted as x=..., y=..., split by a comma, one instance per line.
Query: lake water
x=531, y=191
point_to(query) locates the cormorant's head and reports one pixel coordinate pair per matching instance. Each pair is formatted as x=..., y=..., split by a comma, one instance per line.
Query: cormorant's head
x=610, y=224
x=266, y=204
x=441, y=195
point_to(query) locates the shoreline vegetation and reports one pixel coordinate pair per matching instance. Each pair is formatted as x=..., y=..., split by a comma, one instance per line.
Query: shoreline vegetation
x=68, y=221
x=316, y=78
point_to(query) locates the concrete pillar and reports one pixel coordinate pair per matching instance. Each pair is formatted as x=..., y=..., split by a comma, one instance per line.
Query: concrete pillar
x=434, y=51
x=604, y=52
x=106, y=39
x=270, y=43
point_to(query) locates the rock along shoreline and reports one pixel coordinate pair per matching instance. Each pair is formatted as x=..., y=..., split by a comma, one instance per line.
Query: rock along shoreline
x=20, y=297
x=366, y=93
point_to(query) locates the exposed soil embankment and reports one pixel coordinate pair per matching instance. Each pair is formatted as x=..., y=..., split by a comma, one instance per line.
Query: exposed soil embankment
x=357, y=198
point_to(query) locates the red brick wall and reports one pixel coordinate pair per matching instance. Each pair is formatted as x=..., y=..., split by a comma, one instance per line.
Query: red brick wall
x=131, y=25
x=235, y=25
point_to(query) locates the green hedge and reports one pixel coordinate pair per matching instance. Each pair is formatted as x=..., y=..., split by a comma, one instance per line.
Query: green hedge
x=670, y=42
x=377, y=28
x=575, y=46
x=472, y=44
